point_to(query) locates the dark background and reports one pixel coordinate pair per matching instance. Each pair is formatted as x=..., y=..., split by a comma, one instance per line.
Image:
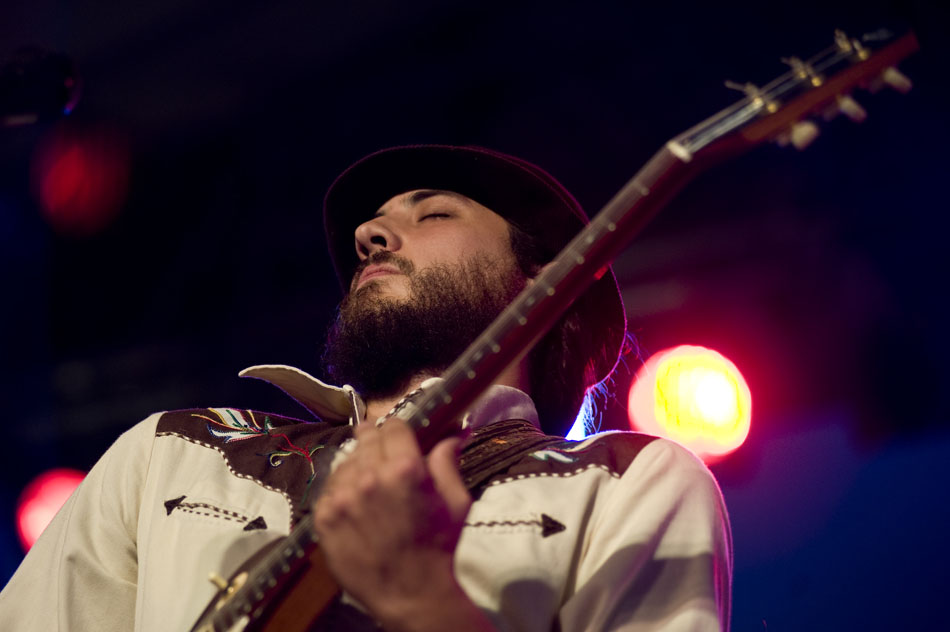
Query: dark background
x=820, y=274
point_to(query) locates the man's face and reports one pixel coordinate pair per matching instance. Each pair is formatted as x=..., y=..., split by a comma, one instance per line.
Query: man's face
x=426, y=228
x=435, y=269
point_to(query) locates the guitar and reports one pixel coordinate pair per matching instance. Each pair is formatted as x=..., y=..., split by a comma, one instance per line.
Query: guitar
x=288, y=585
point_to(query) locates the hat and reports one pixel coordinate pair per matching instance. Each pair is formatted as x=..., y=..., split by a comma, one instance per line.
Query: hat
x=522, y=193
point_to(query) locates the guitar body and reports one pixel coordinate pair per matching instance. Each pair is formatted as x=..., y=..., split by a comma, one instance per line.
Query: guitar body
x=305, y=597
x=293, y=602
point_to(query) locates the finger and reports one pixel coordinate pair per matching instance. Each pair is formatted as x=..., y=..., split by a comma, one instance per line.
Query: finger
x=443, y=467
x=398, y=439
x=348, y=507
x=369, y=445
x=327, y=512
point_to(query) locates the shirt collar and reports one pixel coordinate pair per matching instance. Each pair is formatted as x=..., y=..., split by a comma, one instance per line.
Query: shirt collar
x=342, y=404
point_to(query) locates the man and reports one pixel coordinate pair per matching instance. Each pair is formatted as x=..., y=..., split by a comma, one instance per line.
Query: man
x=621, y=531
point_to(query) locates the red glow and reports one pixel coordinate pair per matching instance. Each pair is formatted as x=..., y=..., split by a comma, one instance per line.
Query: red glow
x=695, y=396
x=40, y=501
x=80, y=178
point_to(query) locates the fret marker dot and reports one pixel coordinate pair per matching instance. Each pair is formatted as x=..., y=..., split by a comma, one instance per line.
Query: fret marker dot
x=580, y=259
x=447, y=399
x=425, y=422
x=522, y=320
x=470, y=374
x=611, y=227
x=495, y=348
x=550, y=291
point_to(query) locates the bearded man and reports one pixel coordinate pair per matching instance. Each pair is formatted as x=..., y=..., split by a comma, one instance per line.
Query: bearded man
x=506, y=528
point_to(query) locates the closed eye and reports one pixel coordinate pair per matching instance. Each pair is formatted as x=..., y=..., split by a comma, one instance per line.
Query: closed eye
x=434, y=215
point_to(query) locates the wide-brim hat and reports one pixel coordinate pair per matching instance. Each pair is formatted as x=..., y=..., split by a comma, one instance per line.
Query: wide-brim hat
x=522, y=193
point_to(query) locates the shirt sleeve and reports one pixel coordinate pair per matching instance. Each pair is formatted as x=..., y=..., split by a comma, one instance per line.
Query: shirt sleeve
x=81, y=574
x=658, y=552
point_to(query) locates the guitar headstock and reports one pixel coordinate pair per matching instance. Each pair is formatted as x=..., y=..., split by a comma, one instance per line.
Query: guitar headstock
x=820, y=87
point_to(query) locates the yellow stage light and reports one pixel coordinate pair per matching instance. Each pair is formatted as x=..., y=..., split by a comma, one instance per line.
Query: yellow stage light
x=695, y=396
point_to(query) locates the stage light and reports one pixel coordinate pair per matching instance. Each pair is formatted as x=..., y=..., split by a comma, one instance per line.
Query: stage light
x=40, y=501
x=694, y=396
x=80, y=178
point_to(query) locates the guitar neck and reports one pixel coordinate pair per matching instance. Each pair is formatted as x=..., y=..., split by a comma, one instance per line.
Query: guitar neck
x=811, y=87
x=251, y=595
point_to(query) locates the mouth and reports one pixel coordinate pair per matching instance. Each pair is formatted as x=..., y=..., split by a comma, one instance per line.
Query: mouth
x=375, y=272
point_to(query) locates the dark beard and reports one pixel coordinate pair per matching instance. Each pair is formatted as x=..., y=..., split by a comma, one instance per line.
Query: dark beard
x=379, y=344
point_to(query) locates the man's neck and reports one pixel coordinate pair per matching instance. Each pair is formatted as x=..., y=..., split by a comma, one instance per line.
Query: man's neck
x=515, y=375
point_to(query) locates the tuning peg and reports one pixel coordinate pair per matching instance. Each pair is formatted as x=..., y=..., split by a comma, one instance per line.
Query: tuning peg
x=755, y=95
x=850, y=45
x=803, y=134
x=218, y=581
x=844, y=104
x=851, y=108
x=800, y=135
x=892, y=78
x=803, y=70
x=897, y=80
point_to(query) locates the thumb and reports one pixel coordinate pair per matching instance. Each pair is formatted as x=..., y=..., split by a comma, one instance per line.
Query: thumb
x=443, y=467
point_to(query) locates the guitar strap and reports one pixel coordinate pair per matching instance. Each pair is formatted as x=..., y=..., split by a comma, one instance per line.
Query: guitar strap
x=495, y=447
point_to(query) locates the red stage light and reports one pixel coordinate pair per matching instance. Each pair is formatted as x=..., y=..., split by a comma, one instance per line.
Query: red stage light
x=80, y=179
x=694, y=396
x=40, y=501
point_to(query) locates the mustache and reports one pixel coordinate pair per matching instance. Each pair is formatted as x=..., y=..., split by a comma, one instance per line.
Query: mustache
x=383, y=257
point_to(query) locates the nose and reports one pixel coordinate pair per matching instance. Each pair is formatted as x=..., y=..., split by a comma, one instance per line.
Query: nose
x=375, y=235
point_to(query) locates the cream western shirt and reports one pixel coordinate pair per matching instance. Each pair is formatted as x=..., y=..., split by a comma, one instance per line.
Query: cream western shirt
x=640, y=537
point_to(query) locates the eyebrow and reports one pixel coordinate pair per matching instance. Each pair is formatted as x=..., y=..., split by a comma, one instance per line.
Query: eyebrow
x=421, y=195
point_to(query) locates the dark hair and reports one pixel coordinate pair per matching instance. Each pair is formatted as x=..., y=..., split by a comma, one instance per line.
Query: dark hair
x=561, y=364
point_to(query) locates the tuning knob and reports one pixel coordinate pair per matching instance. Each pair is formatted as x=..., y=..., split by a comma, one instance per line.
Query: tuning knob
x=802, y=134
x=221, y=583
x=897, y=80
x=851, y=108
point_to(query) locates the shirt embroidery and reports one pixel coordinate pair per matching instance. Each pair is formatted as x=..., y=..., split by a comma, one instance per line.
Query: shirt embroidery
x=212, y=511
x=553, y=455
x=549, y=526
x=232, y=425
x=557, y=451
